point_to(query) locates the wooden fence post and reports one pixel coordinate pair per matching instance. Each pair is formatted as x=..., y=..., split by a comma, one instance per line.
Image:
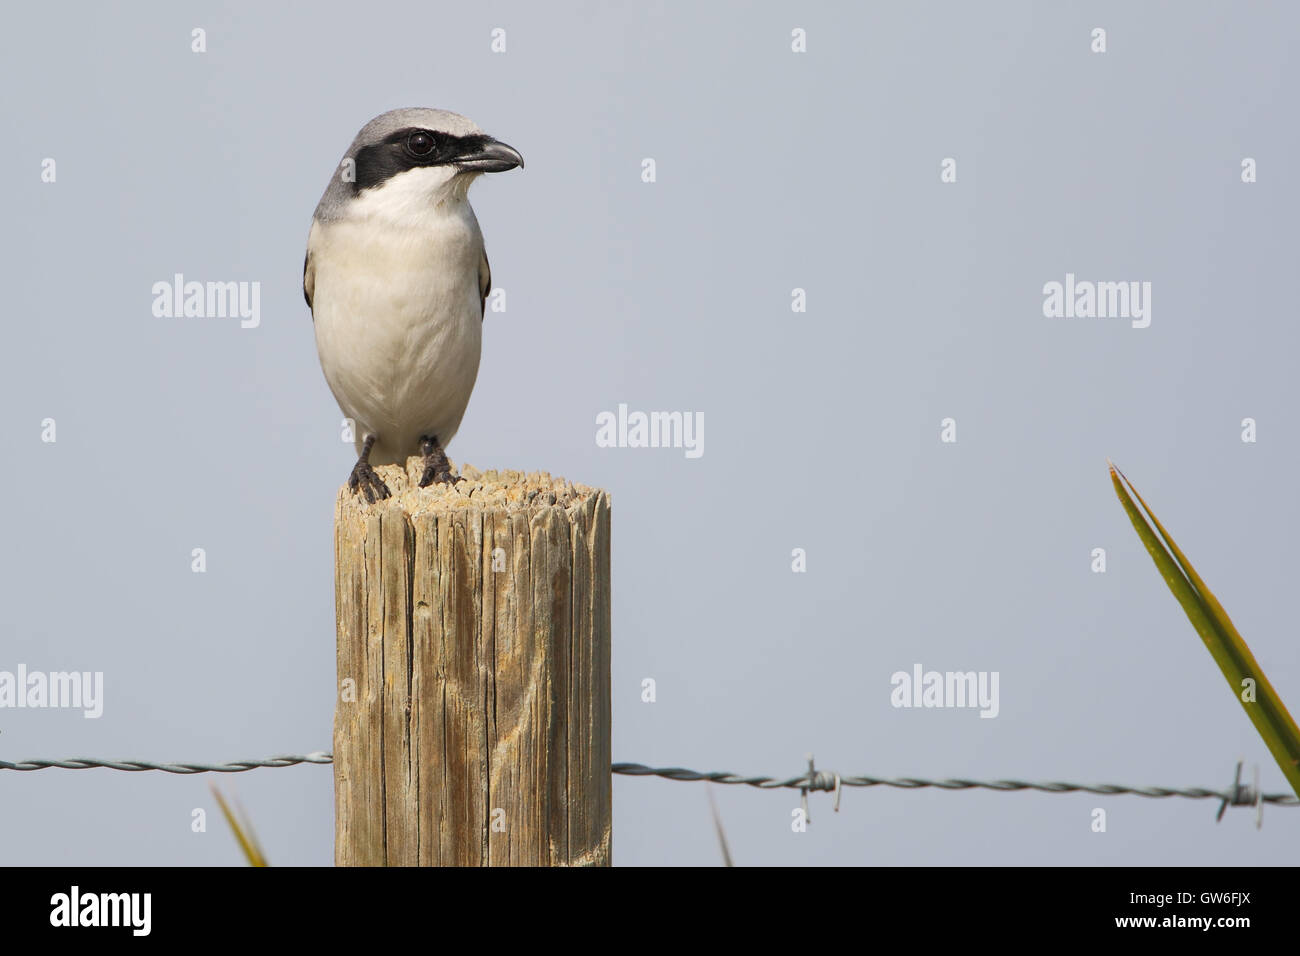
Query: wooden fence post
x=473, y=712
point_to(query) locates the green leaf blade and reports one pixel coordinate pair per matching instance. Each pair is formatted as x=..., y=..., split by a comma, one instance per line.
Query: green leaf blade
x=1233, y=656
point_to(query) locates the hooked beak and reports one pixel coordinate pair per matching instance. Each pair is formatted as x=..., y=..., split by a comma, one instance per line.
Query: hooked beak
x=488, y=155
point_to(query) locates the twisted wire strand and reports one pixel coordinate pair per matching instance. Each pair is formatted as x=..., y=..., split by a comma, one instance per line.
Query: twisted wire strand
x=135, y=766
x=818, y=780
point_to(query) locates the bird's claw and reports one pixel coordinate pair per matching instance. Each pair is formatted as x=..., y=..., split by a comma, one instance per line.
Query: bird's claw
x=363, y=480
x=434, y=476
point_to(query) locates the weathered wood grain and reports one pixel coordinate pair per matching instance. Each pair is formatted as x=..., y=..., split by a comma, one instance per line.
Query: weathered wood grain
x=473, y=718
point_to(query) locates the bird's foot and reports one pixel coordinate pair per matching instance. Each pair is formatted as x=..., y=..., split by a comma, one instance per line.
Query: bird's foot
x=432, y=476
x=437, y=469
x=363, y=480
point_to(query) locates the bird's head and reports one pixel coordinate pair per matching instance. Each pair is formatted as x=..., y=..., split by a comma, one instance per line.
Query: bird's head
x=415, y=157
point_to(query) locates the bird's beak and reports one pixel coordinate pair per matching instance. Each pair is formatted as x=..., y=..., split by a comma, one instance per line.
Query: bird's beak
x=489, y=156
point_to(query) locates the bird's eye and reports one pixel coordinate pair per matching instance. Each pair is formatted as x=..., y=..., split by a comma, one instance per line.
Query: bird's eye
x=421, y=144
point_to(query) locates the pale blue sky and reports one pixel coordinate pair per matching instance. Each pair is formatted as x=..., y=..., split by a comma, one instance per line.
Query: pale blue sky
x=775, y=170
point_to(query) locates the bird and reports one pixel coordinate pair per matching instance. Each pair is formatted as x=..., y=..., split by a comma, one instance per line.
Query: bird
x=396, y=277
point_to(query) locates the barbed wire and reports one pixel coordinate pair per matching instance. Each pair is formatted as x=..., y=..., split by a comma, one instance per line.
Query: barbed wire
x=822, y=780
x=808, y=781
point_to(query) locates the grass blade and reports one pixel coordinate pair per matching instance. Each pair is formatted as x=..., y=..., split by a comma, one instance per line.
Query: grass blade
x=244, y=834
x=1267, y=712
x=717, y=826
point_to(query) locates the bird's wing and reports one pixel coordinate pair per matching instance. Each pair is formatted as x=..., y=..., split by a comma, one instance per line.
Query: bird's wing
x=484, y=283
x=308, y=280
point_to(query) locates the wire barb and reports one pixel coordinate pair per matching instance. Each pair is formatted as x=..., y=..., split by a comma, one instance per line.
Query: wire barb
x=815, y=780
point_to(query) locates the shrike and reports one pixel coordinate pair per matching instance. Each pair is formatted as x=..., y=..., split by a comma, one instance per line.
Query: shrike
x=396, y=278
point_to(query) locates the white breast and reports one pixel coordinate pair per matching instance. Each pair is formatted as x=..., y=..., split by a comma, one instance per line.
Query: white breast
x=398, y=319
